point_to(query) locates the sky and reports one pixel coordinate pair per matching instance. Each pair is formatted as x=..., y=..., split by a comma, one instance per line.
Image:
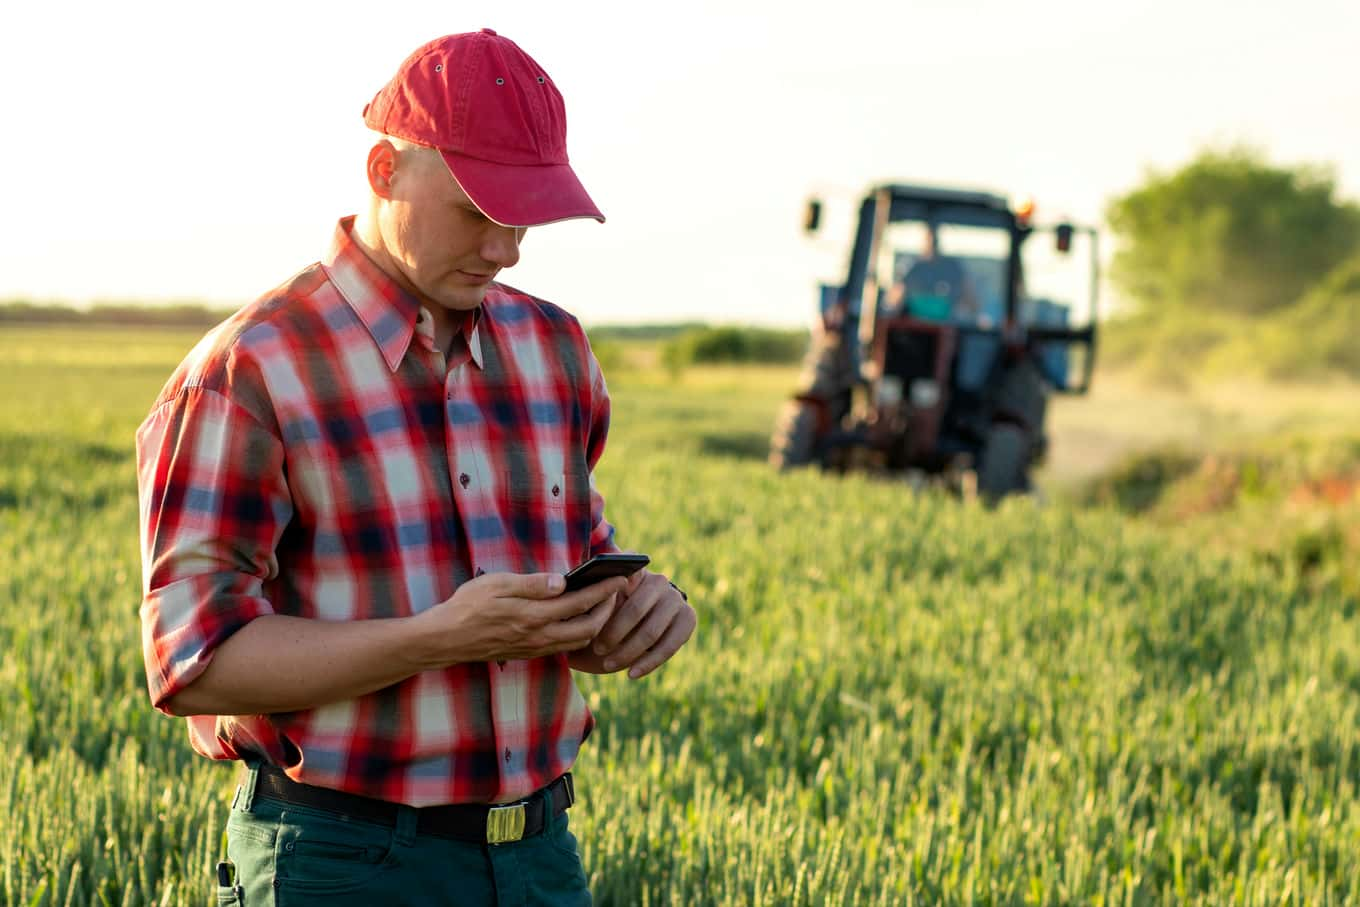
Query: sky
x=182, y=151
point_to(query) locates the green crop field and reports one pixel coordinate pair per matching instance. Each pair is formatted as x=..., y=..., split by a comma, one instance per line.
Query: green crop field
x=891, y=699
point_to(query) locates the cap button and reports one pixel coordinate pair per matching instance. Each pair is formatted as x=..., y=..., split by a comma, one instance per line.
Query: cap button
x=487, y=31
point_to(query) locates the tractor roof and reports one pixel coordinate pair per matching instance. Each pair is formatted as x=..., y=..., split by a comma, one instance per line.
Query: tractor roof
x=938, y=194
x=941, y=205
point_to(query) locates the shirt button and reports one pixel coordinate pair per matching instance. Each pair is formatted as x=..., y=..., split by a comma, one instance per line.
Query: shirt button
x=557, y=490
x=507, y=754
x=464, y=479
x=479, y=572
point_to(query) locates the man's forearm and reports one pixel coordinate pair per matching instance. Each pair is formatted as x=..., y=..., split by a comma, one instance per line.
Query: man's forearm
x=278, y=663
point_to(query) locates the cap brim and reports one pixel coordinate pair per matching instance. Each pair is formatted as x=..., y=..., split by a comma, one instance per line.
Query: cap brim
x=522, y=196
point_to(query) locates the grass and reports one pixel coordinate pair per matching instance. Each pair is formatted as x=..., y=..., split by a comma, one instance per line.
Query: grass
x=891, y=699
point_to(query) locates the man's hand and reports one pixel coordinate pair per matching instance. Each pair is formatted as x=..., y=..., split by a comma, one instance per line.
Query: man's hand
x=507, y=616
x=648, y=625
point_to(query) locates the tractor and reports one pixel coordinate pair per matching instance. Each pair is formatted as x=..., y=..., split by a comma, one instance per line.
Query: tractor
x=937, y=356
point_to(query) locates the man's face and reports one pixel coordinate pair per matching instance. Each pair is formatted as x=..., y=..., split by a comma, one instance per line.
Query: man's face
x=443, y=247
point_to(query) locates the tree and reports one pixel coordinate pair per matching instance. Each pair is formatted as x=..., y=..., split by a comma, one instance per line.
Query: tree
x=1229, y=234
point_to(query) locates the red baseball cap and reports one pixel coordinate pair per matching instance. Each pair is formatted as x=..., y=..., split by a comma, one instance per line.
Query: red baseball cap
x=497, y=119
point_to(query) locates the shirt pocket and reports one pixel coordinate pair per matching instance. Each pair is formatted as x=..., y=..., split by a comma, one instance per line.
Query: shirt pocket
x=538, y=482
x=545, y=509
x=542, y=491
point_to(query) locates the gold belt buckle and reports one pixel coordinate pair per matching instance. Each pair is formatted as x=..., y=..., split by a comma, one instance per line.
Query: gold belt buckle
x=505, y=823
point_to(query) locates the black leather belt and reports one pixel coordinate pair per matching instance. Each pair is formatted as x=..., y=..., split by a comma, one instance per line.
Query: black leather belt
x=491, y=824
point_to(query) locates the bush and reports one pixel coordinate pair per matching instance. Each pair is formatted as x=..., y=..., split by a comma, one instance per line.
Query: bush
x=1139, y=481
x=1231, y=265
x=730, y=344
x=609, y=353
x=170, y=315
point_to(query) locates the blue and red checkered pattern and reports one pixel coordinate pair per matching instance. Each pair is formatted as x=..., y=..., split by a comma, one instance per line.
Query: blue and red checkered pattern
x=316, y=456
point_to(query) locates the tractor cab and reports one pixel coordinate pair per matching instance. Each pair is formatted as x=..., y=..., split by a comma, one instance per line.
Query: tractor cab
x=954, y=325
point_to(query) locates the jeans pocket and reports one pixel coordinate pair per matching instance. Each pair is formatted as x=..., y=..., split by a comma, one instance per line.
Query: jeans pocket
x=320, y=854
x=559, y=837
x=558, y=874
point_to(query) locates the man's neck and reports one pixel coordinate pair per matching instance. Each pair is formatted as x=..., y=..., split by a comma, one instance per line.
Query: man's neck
x=367, y=237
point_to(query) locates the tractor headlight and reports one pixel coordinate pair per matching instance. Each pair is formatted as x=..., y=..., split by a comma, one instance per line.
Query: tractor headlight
x=924, y=393
x=889, y=390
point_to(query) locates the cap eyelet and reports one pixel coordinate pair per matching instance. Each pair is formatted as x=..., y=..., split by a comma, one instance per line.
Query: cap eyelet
x=540, y=80
x=500, y=81
x=439, y=67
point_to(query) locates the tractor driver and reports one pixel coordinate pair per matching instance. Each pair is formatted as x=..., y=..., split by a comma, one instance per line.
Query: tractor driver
x=939, y=275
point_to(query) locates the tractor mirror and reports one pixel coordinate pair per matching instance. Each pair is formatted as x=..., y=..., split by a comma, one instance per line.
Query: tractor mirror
x=1064, y=232
x=812, y=217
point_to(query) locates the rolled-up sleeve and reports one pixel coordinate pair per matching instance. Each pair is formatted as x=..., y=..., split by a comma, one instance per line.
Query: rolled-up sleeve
x=213, y=501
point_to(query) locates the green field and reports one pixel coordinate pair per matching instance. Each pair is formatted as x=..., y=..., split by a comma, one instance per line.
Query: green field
x=891, y=699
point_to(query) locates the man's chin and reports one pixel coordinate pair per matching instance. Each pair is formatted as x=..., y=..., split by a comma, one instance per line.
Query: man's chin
x=463, y=299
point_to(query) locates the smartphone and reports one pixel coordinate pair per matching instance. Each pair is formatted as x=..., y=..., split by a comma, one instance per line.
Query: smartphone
x=602, y=567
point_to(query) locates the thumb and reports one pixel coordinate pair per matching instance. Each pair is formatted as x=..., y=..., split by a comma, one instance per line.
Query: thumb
x=537, y=585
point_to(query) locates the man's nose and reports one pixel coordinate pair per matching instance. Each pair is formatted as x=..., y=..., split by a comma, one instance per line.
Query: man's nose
x=500, y=245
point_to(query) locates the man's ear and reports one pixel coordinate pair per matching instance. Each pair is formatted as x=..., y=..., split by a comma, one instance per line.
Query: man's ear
x=382, y=166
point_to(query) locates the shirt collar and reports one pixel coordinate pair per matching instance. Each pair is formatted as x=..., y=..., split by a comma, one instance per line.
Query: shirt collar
x=387, y=310
x=472, y=329
x=466, y=333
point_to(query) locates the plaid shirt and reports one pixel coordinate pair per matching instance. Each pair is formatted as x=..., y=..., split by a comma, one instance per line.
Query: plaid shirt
x=315, y=455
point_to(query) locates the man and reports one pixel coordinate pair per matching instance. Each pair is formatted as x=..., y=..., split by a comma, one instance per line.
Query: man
x=358, y=496
x=941, y=276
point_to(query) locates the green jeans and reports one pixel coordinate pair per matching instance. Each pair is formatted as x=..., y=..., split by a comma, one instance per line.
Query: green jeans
x=285, y=855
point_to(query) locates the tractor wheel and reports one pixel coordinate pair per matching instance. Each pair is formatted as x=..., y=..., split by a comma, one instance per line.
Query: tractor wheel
x=1004, y=462
x=795, y=436
x=827, y=375
x=1023, y=395
x=827, y=369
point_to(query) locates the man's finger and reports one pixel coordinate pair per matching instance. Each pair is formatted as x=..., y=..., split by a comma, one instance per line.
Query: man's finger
x=636, y=579
x=528, y=585
x=631, y=612
x=676, y=635
x=566, y=606
x=576, y=632
x=645, y=635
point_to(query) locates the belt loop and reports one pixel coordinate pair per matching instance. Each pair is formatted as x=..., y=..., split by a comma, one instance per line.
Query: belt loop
x=245, y=794
x=549, y=814
x=407, y=819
